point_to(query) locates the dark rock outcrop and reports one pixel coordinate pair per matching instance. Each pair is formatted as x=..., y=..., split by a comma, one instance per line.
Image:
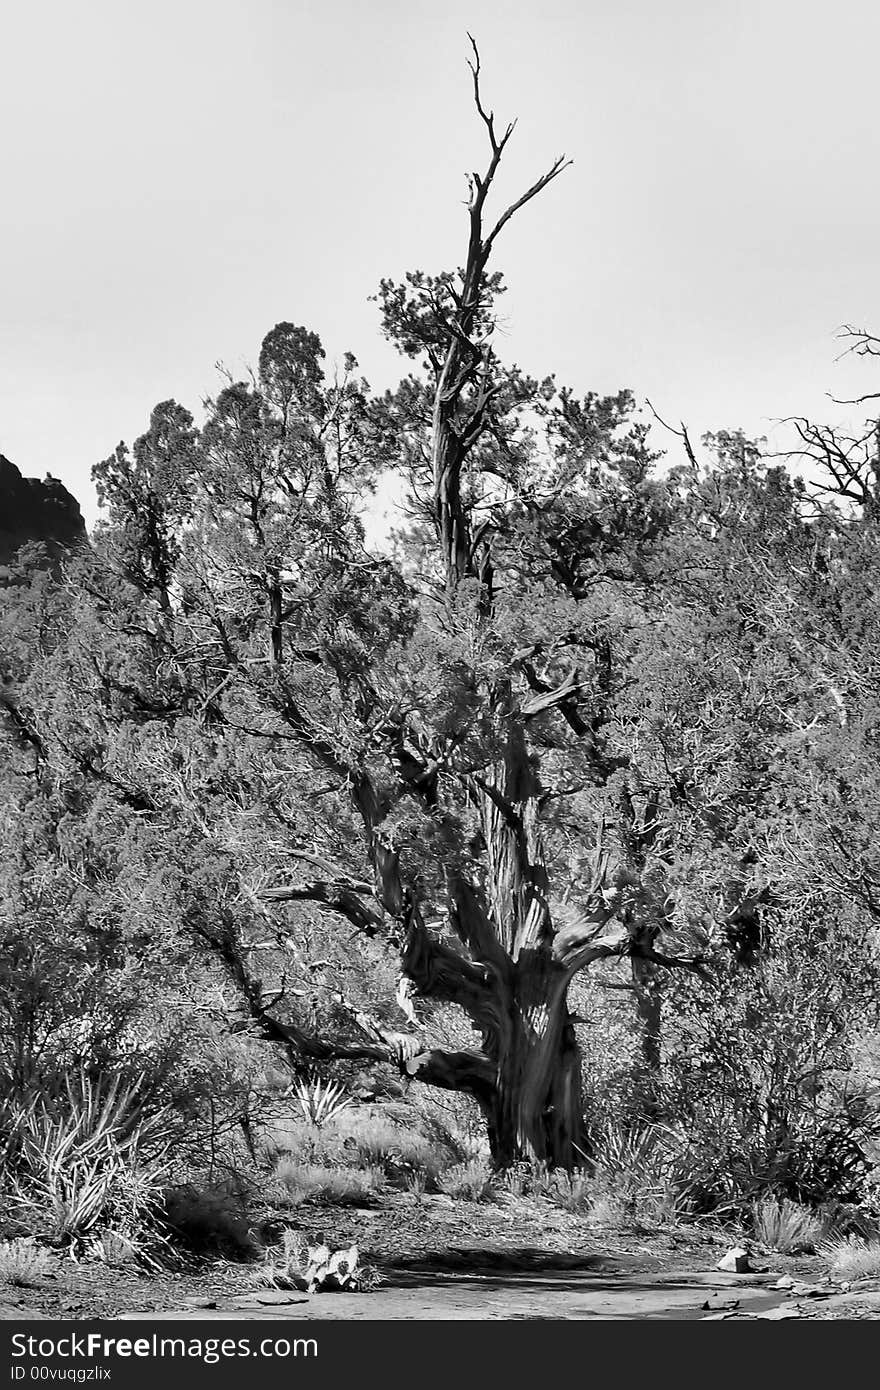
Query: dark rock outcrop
x=31, y=510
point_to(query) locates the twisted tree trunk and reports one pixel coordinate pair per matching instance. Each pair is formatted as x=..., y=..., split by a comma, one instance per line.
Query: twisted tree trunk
x=535, y=1111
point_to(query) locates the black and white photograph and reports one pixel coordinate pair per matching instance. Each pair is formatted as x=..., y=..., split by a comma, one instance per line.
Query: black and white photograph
x=439, y=674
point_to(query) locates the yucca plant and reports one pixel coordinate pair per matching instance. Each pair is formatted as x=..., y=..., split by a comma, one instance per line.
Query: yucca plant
x=629, y=1162
x=320, y=1101
x=94, y=1158
x=643, y=1170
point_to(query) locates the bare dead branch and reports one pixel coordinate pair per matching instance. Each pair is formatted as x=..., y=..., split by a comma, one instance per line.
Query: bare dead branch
x=681, y=434
x=487, y=117
x=861, y=342
x=548, y=698
x=541, y=183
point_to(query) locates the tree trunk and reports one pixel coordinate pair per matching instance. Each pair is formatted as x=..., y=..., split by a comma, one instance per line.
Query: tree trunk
x=535, y=1111
x=649, y=1014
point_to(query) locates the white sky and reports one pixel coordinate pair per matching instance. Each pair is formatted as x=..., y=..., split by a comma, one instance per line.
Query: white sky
x=176, y=177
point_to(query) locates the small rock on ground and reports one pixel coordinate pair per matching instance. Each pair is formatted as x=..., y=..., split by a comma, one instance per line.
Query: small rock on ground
x=736, y=1261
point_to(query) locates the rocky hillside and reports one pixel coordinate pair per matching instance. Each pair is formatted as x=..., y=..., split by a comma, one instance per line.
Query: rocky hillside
x=31, y=510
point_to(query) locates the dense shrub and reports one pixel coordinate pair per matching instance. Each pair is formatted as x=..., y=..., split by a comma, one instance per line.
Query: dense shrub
x=758, y=1071
x=209, y=1218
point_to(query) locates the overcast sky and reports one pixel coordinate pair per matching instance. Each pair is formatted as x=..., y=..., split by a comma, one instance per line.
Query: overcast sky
x=176, y=177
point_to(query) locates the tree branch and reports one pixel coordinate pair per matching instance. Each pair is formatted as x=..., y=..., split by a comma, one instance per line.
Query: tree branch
x=335, y=895
x=468, y=1070
x=440, y=973
x=556, y=168
x=681, y=434
x=547, y=698
x=488, y=118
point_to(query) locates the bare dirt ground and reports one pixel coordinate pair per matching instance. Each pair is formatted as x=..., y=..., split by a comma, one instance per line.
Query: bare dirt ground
x=441, y=1259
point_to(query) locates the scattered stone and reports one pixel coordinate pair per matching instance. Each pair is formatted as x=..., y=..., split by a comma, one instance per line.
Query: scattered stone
x=719, y=1302
x=803, y=1290
x=784, y=1282
x=736, y=1261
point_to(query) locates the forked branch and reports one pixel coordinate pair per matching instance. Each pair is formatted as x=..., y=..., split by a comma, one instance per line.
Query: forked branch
x=681, y=434
x=459, y=423
x=480, y=185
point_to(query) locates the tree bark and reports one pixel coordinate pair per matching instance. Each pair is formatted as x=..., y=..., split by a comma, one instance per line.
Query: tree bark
x=649, y=1015
x=535, y=1112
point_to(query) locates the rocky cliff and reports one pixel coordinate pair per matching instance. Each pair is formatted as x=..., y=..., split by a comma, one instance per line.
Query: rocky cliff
x=31, y=510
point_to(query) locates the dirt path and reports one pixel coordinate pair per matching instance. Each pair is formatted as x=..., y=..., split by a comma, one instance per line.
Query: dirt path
x=533, y=1295
x=454, y=1261
x=616, y=1290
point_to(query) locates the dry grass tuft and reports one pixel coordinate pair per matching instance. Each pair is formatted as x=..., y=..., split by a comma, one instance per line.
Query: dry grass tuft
x=787, y=1227
x=606, y=1211
x=473, y=1181
x=23, y=1263
x=850, y=1257
x=346, y=1186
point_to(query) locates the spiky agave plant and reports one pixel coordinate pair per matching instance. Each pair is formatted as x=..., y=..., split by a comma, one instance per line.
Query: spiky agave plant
x=320, y=1101
x=95, y=1157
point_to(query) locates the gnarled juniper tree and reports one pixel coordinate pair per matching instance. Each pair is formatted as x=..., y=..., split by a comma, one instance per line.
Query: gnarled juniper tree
x=434, y=741
x=477, y=725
